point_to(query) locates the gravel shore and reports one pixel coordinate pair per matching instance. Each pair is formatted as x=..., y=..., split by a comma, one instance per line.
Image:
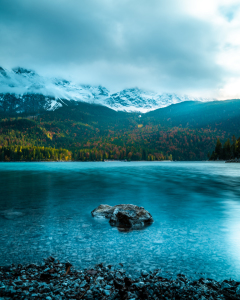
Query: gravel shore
x=56, y=280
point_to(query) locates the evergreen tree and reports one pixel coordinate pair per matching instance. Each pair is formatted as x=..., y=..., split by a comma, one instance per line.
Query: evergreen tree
x=226, y=150
x=234, y=147
x=218, y=149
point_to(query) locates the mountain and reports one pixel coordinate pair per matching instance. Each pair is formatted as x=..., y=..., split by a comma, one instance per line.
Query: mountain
x=93, y=124
x=137, y=100
x=24, y=90
x=184, y=131
x=222, y=115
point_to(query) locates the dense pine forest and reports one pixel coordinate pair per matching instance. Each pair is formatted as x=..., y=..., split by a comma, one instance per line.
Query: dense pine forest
x=226, y=151
x=85, y=132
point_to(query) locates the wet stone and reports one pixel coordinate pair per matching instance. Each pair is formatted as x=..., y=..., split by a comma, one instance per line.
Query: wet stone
x=144, y=273
x=106, y=282
x=238, y=291
x=124, y=216
x=225, y=286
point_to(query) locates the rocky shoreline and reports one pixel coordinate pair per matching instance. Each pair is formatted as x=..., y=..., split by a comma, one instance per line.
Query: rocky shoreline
x=56, y=280
x=236, y=160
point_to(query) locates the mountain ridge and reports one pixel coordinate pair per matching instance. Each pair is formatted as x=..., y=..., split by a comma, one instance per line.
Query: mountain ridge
x=20, y=82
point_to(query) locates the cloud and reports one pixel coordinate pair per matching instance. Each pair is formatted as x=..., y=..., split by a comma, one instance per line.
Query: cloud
x=229, y=11
x=167, y=46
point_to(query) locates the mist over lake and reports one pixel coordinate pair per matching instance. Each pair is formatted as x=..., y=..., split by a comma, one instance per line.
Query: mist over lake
x=45, y=209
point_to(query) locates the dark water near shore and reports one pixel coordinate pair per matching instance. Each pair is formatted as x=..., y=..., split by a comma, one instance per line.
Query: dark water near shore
x=45, y=210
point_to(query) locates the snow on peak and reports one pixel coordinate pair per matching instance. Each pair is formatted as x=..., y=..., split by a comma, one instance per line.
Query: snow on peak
x=137, y=100
x=20, y=81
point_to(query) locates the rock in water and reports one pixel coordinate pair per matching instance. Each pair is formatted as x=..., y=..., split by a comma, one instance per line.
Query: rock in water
x=103, y=210
x=124, y=215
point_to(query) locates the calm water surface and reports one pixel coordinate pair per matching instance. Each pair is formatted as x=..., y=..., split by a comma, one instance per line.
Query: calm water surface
x=45, y=209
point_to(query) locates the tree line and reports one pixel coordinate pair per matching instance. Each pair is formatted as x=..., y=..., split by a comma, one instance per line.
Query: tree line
x=19, y=153
x=97, y=142
x=226, y=151
x=32, y=153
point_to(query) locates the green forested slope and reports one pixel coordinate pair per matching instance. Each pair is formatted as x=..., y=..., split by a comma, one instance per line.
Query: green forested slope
x=216, y=115
x=186, y=131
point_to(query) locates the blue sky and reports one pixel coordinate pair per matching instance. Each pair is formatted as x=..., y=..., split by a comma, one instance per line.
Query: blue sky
x=189, y=47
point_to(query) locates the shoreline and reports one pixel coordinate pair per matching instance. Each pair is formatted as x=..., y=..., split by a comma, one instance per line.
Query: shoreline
x=233, y=161
x=57, y=280
x=132, y=161
x=67, y=161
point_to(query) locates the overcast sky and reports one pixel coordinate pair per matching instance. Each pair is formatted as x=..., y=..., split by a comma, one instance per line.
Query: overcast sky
x=183, y=46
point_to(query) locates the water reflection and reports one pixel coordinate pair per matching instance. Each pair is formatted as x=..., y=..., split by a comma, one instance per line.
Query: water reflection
x=45, y=209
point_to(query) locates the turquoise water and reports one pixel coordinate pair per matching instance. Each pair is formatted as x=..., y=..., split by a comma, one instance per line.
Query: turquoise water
x=45, y=209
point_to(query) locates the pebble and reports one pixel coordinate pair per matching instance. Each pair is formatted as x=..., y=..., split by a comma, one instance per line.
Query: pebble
x=106, y=282
x=238, y=291
x=225, y=286
x=144, y=273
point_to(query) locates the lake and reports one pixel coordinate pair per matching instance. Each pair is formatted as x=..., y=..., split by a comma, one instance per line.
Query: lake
x=45, y=209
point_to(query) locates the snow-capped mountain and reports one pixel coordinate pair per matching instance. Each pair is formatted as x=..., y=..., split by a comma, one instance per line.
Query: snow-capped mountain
x=143, y=101
x=22, y=89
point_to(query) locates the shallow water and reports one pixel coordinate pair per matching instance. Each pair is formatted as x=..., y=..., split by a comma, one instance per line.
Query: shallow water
x=45, y=209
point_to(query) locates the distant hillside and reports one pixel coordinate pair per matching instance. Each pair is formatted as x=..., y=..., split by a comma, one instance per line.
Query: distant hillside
x=216, y=115
x=185, y=131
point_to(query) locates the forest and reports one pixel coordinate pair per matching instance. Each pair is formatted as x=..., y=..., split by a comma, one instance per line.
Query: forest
x=86, y=132
x=226, y=151
x=19, y=153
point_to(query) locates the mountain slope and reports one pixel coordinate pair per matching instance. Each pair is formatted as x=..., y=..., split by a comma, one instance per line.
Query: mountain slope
x=221, y=115
x=184, y=131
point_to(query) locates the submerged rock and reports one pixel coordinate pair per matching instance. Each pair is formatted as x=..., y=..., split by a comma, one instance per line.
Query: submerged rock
x=124, y=215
